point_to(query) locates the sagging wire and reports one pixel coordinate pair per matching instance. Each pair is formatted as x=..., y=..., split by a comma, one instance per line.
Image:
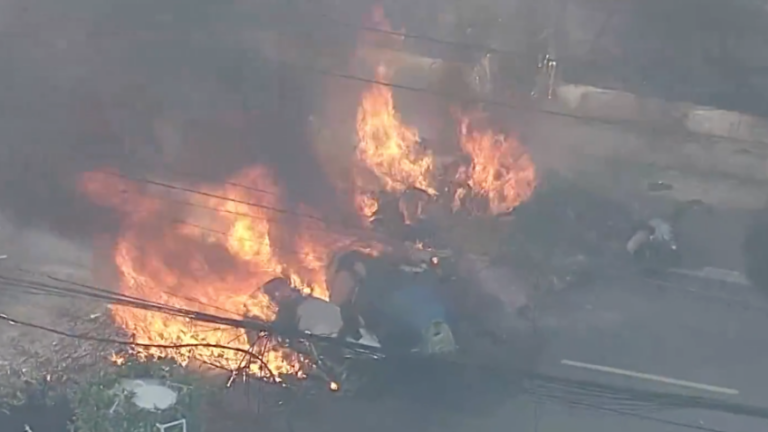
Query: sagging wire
x=323, y=225
x=249, y=356
x=560, y=390
x=205, y=194
x=289, y=423
x=663, y=400
x=649, y=418
x=77, y=289
x=13, y=321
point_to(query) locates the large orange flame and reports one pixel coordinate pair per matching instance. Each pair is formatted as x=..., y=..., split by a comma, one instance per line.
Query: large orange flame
x=500, y=170
x=388, y=147
x=209, y=254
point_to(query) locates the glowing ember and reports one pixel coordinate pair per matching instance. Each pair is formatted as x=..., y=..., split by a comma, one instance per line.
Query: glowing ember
x=388, y=147
x=367, y=205
x=211, y=256
x=501, y=169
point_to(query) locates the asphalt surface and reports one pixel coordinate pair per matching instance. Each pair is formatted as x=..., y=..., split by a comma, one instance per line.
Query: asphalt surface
x=685, y=328
x=706, y=335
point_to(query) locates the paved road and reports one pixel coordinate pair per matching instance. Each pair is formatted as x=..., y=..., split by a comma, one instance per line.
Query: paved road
x=688, y=329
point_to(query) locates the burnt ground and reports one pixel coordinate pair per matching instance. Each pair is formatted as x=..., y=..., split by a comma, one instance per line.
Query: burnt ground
x=37, y=416
x=29, y=355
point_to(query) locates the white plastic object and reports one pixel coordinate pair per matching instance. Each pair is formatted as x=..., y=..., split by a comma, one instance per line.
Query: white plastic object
x=162, y=427
x=319, y=317
x=150, y=394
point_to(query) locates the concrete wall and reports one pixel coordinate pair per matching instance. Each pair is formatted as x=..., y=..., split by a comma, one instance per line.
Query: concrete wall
x=714, y=155
x=615, y=143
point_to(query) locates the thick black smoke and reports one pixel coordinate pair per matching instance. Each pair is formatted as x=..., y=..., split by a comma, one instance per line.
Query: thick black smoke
x=700, y=51
x=88, y=86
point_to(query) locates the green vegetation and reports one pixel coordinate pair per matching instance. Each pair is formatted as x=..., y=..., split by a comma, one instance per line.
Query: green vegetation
x=94, y=400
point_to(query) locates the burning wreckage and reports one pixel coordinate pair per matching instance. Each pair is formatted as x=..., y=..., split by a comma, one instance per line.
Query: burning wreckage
x=236, y=276
x=386, y=291
x=309, y=295
x=379, y=307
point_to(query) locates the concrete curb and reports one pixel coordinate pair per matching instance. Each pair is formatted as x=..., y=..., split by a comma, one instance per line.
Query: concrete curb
x=605, y=104
x=726, y=124
x=722, y=161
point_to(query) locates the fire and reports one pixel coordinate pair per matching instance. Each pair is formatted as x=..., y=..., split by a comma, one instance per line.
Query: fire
x=498, y=168
x=501, y=170
x=388, y=147
x=210, y=254
x=367, y=205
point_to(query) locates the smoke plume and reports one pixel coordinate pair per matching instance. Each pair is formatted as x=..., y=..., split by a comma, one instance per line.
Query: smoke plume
x=150, y=88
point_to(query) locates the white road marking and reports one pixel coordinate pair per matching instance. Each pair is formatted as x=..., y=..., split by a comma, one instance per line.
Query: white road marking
x=713, y=273
x=649, y=377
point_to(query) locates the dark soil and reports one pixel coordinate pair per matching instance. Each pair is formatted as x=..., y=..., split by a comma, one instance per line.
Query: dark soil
x=38, y=417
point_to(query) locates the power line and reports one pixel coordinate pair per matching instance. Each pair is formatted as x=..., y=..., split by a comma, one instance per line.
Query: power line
x=464, y=45
x=216, y=196
x=582, y=388
x=247, y=353
x=283, y=211
x=199, y=192
x=359, y=233
x=77, y=289
x=250, y=354
x=646, y=417
x=478, y=100
x=407, y=35
x=249, y=188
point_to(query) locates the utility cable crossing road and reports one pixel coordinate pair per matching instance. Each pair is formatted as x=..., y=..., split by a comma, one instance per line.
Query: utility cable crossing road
x=689, y=332
x=545, y=386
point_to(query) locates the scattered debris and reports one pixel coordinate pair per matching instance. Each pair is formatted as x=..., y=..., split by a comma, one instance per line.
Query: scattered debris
x=659, y=186
x=654, y=246
x=654, y=243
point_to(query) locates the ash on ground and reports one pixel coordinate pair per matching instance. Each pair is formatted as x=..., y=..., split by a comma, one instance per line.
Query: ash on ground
x=564, y=234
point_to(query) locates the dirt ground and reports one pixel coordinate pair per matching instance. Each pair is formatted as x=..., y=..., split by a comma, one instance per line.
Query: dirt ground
x=29, y=354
